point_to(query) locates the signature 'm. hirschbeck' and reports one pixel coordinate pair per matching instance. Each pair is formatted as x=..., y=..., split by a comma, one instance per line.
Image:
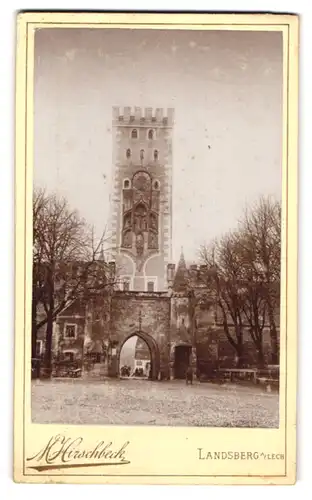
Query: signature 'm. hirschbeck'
x=62, y=452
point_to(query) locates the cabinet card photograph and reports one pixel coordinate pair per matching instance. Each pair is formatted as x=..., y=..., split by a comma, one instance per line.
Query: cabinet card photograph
x=156, y=248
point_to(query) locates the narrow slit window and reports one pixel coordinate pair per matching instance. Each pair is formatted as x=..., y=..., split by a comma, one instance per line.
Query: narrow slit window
x=142, y=154
x=156, y=154
x=128, y=153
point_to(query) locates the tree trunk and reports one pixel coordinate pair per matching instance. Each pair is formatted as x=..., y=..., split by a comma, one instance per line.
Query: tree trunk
x=34, y=325
x=240, y=343
x=260, y=354
x=273, y=336
x=237, y=345
x=48, y=347
x=239, y=355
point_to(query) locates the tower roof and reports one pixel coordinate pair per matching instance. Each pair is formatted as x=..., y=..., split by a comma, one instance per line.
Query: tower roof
x=180, y=281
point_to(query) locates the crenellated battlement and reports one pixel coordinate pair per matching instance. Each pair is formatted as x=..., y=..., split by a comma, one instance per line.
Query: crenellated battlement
x=143, y=116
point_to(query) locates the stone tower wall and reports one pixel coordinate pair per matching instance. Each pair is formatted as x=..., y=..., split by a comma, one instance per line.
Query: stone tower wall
x=142, y=256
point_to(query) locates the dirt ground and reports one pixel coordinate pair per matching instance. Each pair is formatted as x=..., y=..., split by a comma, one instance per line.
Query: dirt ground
x=134, y=402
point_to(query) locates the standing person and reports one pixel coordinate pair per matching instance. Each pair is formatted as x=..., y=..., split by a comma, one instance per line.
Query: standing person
x=189, y=375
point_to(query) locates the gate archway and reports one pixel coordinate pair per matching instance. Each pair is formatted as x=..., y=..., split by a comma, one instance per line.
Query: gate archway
x=153, y=349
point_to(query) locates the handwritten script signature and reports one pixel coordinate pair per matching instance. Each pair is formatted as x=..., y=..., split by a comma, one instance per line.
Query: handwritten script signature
x=63, y=452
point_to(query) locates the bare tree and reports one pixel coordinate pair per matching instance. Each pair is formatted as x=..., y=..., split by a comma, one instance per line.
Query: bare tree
x=39, y=201
x=67, y=262
x=246, y=277
x=255, y=312
x=261, y=256
x=223, y=278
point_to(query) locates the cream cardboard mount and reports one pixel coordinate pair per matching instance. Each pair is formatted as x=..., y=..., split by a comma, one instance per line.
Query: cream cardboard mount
x=129, y=122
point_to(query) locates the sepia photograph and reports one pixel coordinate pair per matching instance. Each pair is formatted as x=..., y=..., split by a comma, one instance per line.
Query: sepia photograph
x=157, y=190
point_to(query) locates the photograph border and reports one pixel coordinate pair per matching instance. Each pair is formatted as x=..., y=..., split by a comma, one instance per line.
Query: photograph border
x=27, y=23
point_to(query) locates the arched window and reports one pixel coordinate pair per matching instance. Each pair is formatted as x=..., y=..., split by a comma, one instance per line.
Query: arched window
x=140, y=218
x=126, y=184
x=156, y=185
x=134, y=134
x=142, y=154
x=155, y=154
x=150, y=134
x=128, y=153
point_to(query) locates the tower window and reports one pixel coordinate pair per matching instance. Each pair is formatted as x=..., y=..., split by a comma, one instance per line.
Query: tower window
x=150, y=286
x=126, y=184
x=156, y=185
x=142, y=154
x=155, y=154
x=128, y=153
x=150, y=134
x=134, y=134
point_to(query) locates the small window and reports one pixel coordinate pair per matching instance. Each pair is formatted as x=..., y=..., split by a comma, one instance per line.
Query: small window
x=156, y=185
x=150, y=134
x=134, y=134
x=142, y=154
x=128, y=153
x=155, y=154
x=70, y=331
x=126, y=184
x=150, y=286
x=94, y=357
x=69, y=356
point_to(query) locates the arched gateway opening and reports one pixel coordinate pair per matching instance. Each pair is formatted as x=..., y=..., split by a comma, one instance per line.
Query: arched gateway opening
x=145, y=354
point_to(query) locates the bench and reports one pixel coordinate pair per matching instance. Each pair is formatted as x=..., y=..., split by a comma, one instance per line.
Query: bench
x=240, y=373
x=75, y=373
x=265, y=380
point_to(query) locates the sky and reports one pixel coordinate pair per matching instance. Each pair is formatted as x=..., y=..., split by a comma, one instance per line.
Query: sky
x=128, y=349
x=225, y=87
